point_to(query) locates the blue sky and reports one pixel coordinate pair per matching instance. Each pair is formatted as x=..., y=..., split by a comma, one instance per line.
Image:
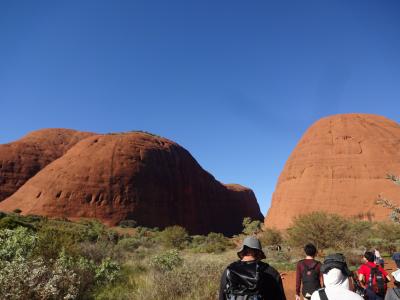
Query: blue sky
x=235, y=82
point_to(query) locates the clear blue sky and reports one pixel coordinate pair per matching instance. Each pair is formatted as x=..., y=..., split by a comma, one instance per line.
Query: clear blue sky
x=235, y=82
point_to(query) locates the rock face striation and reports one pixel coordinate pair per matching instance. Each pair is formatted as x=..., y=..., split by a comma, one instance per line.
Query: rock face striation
x=137, y=176
x=22, y=159
x=339, y=166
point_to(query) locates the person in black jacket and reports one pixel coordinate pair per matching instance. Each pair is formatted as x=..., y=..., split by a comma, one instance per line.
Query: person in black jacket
x=249, y=278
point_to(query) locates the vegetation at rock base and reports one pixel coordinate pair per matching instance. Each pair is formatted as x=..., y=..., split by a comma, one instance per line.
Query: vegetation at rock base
x=42, y=258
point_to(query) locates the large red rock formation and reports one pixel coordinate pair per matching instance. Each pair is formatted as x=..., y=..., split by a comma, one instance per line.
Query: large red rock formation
x=22, y=159
x=339, y=166
x=135, y=176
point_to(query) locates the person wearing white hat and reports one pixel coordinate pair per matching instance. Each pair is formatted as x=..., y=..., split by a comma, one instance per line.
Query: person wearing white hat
x=394, y=293
x=336, y=287
x=250, y=278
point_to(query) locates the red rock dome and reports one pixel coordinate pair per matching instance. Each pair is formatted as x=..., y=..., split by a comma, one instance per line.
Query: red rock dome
x=138, y=176
x=339, y=166
x=22, y=159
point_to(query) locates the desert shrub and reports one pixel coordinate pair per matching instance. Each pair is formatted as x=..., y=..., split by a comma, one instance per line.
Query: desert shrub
x=270, y=237
x=17, y=211
x=33, y=218
x=212, y=243
x=122, y=288
x=129, y=244
x=127, y=224
x=359, y=233
x=99, y=251
x=251, y=226
x=322, y=229
x=53, y=238
x=93, y=231
x=174, y=237
x=25, y=279
x=12, y=222
x=197, y=240
x=193, y=280
x=107, y=271
x=386, y=237
x=16, y=243
x=166, y=261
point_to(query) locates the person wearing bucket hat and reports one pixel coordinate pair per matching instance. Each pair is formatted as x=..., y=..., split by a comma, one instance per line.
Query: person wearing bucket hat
x=249, y=278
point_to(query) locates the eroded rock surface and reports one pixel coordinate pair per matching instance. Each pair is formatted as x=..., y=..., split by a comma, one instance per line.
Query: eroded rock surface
x=22, y=159
x=339, y=166
x=138, y=176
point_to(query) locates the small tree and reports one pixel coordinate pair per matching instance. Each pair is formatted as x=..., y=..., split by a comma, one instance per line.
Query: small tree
x=320, y=228
x=174, y=237
x=250, y=226
x=395, y=214
x=271, y=237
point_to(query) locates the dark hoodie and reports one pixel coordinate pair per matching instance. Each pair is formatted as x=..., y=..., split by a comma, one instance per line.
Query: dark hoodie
x=269, y=285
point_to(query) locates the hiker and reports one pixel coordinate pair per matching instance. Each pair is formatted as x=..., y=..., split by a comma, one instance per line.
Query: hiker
x=308, y=275
x=336, y=280
x=373, y=277
x=396, y=258
x=249, y=278
x=394, y=293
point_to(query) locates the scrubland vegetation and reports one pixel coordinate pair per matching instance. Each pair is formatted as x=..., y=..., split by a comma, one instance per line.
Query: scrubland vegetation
x=44, y=258
x=57, y=259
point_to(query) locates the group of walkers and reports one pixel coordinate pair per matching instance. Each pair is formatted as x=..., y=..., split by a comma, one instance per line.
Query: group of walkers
x=251, y=279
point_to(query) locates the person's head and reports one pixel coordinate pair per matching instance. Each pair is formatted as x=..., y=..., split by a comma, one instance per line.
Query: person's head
x=251, y=247
x=310, y=250
x=369, y=256
x=335, y=260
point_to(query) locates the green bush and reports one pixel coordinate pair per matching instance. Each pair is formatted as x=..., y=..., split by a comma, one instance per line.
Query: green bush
x=270, y=237
x=174, y=237
x=166, y=261
x=52, y=238
x=11, y=222
x=127, y=224
x=193, y=280
x=251, y=226
x=323, y=229
x=212, y=243
x=16, y=243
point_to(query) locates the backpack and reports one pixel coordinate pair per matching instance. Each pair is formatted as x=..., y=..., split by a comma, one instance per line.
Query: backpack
x=310, y=278
x=377, y=282
x=358, y=289
x=243, y=282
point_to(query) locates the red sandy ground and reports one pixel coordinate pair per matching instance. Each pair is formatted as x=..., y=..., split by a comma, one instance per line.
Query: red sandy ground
x=289, y=281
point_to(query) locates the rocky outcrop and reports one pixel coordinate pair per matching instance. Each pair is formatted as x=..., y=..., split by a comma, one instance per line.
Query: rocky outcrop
x=339, y=166
x=22, y=159
x=136, y=176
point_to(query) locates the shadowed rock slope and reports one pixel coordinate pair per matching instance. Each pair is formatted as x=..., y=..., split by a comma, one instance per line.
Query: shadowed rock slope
x=136, y=176
x=339, y=166
x=22, y=159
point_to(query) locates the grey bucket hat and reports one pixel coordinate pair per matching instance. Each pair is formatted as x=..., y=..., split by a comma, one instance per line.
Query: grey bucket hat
x=253, y=243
